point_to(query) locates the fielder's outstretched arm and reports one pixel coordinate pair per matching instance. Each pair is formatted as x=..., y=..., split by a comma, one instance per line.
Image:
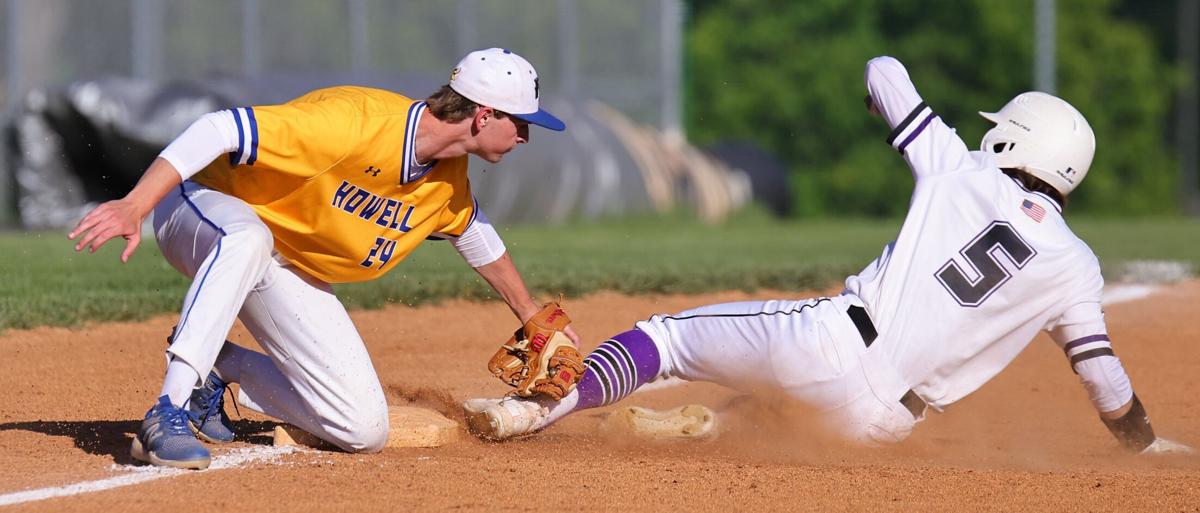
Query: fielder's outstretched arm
x=502, y=275
x=483, y=250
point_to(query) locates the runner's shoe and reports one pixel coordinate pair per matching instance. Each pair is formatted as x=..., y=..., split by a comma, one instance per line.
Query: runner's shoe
x=502, y=419
x=691, y=422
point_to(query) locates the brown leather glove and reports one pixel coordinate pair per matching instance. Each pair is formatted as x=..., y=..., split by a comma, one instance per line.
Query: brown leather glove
x=540, y=358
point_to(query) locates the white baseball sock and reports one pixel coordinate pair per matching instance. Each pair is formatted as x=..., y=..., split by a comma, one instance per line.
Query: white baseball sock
x=562, y=408
x=181, y=379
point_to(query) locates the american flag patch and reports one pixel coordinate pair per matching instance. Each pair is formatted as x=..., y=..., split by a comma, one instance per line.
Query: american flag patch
x=1033, y=210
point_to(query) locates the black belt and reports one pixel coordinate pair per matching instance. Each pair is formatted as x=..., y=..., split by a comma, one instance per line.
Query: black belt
x=862, y=321
x=914, y=403
x=866, y=329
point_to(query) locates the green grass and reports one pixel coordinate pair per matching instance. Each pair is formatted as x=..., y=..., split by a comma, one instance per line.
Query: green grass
x=44, y=282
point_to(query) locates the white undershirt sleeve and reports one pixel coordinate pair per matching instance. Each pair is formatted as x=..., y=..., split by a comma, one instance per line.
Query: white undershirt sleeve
x=209, y=137
x=479, y=244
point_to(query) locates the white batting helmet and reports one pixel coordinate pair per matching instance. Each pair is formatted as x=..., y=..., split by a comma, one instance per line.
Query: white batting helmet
x=1044, y=136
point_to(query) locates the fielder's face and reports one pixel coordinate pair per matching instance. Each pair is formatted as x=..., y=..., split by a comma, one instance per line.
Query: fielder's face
x=498, y=135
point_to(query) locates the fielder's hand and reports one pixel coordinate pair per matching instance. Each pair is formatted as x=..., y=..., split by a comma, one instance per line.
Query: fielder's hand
x=1164, y=446
x=540, y=358
x=118, y=218
x=123, y=217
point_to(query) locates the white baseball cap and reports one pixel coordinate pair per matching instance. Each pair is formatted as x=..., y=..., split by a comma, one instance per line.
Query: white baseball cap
x=504, y=81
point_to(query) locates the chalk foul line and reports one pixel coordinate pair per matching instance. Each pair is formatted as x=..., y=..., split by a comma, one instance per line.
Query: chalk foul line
x=137, y=474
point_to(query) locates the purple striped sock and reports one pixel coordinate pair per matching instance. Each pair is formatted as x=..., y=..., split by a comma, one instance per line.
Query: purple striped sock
x=617, y=368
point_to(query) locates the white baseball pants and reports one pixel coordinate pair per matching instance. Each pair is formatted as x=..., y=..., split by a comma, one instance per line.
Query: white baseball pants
x=316, y=373
x=809, y=350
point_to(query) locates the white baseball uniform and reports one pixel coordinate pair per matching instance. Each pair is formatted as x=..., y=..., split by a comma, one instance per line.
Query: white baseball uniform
x=980, y=266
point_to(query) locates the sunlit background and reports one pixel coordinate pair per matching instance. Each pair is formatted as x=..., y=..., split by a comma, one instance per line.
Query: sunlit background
x=705, y=106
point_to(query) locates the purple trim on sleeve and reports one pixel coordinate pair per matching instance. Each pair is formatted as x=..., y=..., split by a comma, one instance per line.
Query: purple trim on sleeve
x=916, y=132
x=1085, y=340
x=912, y=115
x=1094, y=353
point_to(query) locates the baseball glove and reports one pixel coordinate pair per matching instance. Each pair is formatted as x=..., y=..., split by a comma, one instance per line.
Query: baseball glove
x=540, y=358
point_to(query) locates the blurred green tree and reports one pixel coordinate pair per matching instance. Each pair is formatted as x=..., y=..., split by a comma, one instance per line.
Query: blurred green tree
x=788, y=76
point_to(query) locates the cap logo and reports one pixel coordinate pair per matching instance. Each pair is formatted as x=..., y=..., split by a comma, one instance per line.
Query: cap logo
x=536, y=87
x=454, y=74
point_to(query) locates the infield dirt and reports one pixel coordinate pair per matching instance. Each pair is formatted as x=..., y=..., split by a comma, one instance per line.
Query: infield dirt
x=1028, y=440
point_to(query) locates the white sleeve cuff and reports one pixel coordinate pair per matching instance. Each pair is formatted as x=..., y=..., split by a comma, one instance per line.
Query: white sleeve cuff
x=206, y=139
x=479, y=244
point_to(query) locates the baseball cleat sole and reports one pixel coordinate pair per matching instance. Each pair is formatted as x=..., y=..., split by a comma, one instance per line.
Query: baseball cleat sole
x=691, y=422
x=484, y=426
x=139, y=453
x=479, y=422
x=202, y=436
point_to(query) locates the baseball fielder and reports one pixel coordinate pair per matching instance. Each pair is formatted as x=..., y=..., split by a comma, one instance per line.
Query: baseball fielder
x=265, y=207
x=983, y=262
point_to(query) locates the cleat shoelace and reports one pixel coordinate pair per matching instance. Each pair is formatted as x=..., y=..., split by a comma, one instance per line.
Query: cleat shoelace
x=216, y=402
x=175, y=420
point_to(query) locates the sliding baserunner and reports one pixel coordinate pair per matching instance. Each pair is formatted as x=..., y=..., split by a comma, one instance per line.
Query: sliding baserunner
x=983, y=262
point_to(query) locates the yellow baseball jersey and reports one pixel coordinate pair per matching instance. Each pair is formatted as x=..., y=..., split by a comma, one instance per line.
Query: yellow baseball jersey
x=333, y=175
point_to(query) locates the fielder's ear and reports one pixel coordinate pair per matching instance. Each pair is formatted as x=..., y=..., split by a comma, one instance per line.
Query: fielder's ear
x=483, y=116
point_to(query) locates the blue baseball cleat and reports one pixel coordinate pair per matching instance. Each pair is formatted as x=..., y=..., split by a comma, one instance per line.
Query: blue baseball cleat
x=165, y=439
x=206, y=411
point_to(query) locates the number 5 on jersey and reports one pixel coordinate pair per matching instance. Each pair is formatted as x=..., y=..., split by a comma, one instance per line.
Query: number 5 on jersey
x=980, y=254
x=382, y=249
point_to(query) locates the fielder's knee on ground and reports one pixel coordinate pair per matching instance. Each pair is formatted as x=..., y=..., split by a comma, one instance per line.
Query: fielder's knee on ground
x=364, y=430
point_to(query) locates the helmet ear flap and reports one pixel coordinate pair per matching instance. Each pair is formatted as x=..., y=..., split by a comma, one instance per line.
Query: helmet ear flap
x=1000, y=145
